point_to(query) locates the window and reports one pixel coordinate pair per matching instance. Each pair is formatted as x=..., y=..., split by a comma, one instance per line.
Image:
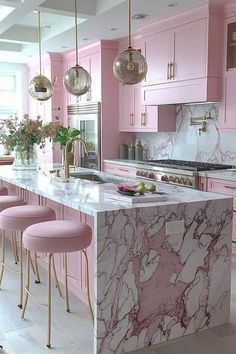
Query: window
x=9, y=97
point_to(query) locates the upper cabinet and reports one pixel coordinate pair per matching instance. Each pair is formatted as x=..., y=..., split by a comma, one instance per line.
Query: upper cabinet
x=97, y=59
x=157, y=50
x=177, y=54
x=92, y=63
x=135, y=117
x=183, y=54
x=227, y=107
x=90, y=60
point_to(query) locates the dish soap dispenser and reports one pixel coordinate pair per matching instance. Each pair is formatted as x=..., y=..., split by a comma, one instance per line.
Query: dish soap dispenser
x=138, y=150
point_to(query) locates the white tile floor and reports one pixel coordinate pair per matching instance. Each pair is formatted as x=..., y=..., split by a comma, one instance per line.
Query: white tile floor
x=72, y=333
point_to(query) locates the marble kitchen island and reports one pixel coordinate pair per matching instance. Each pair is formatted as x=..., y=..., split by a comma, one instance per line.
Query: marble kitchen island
x=160, y=270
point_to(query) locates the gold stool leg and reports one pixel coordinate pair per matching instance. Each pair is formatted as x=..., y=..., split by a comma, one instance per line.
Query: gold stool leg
x=55, y=275
x=66, y=283
x=2, y=256
x=32, y=265
x=37, y=281
x=27, y=284
x=87, y=283
x=13, y=246
x=21, y=271
x=16, y=249
x=49, y=300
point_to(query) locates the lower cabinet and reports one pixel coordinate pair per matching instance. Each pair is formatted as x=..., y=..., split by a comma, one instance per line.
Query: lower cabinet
x=76, y=264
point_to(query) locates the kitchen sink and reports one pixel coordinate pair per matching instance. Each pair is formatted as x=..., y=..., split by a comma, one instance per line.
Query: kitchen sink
x=95, y=177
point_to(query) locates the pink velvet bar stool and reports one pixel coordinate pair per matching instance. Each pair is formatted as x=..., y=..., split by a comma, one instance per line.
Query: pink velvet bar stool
x=59, y=236
x=18, y=218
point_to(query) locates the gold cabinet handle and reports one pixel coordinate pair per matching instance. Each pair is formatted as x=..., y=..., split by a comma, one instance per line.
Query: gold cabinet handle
x=143, y=119
x=168, y=71
x=131, y=119
x=172, y=71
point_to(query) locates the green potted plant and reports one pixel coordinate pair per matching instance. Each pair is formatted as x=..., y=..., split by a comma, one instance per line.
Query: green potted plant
x=63, y=135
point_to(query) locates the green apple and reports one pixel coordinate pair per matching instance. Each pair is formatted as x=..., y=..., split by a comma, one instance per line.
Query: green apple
x=141, y=189
x=150, y=187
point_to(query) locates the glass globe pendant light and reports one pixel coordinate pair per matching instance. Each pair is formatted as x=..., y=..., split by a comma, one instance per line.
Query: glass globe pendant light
x=130, y=66
x=77, y=80
x=40, y=87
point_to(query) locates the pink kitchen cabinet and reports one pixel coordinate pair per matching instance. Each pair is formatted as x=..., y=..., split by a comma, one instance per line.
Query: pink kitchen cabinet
x=99, y=58
x=158, y=53
x=90, y=60
x=184, y=58
x=227, y=107
x=92, y=63
x=177, y=54
x=135, y=117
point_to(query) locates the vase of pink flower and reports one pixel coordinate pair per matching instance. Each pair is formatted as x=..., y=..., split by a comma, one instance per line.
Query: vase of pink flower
x=23, y=137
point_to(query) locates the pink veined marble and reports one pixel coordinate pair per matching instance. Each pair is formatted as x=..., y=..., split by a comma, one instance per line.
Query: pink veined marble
x=153, y=287
x=186, y=143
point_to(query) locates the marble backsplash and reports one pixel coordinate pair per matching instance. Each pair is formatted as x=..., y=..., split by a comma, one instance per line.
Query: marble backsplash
x=187, y=144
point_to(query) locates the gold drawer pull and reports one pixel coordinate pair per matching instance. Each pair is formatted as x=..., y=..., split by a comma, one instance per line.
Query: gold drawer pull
x=131, y=119
x=143, y=119
x=172, y=71
x=168, y=72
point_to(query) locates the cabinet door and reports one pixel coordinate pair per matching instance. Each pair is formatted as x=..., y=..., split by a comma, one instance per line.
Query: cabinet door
x=228, y=106
x=71, y=99
x=85, y=62
x=158, y=50
x=158, y=118
x=127, y=114
x=190, y=51
x=95, y=72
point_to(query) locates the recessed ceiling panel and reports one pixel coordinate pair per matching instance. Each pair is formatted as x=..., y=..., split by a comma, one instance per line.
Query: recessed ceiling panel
x=4, y=11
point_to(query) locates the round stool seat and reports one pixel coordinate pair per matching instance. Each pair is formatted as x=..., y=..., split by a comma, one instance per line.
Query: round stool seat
x=18, y=218
x=8, y=201
x=58, y=236
x=3, y=191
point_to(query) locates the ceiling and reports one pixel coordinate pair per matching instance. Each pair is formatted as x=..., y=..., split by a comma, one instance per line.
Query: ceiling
x=99, y=19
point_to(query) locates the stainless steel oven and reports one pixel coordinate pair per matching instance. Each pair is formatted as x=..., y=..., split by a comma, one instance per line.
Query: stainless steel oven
x=178, y=172
x=87, y=118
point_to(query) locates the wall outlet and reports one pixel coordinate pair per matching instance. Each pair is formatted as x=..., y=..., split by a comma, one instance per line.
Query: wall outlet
x=175, y=227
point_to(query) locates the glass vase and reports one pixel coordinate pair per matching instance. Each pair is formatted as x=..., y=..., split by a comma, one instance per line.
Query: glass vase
x=25, y=157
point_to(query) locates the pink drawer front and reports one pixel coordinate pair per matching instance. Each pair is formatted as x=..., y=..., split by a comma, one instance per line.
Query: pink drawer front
x=222, y=187
x=120, y=170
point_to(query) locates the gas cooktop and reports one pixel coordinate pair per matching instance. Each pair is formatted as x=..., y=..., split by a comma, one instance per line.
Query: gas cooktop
x=187, y=165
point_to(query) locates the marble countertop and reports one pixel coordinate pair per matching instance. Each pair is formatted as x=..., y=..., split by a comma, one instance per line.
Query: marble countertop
x=91, y=197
